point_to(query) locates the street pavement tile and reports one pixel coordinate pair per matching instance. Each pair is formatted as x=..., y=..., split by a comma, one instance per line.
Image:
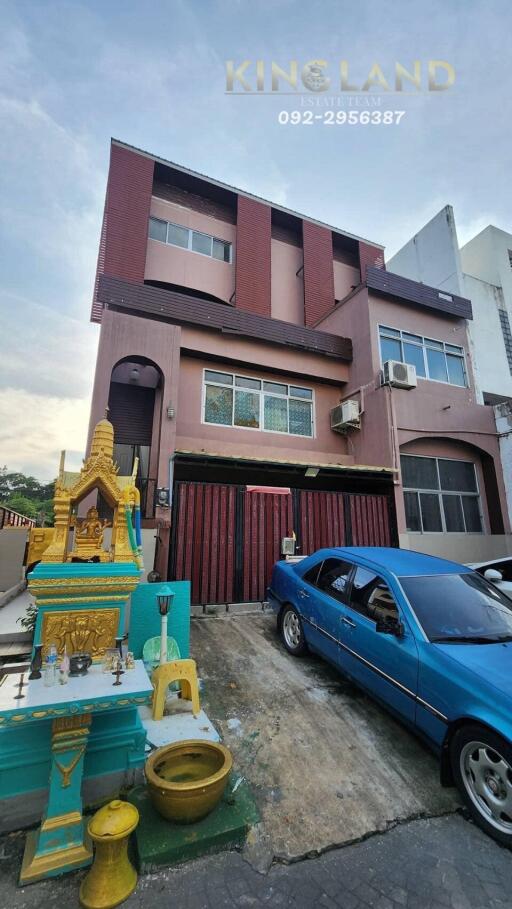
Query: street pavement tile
x=443, y=863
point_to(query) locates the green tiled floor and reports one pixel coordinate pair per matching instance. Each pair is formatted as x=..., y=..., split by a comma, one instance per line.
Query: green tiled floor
x=160, y=842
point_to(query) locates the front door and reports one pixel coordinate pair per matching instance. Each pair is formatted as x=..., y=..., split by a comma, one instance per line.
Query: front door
x=386, y=664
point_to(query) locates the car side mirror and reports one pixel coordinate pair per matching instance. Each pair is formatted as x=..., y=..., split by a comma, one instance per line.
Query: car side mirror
x=492, y=574
x=390, y=625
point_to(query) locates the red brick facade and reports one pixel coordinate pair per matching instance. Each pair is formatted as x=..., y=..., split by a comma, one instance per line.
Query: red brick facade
x=318, y=272
x=253, y=256
x=124, y=231
x=369, y=255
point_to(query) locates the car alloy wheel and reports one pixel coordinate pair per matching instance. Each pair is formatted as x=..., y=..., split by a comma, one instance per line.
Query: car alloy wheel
x=487, y=778
x=291, y=631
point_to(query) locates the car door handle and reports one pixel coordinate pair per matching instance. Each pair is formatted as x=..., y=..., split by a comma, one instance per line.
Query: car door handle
x=303, y=594
x=347, y=621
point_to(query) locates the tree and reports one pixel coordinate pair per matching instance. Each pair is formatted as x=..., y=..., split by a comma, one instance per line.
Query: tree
x=22, y=505
x=27, y=496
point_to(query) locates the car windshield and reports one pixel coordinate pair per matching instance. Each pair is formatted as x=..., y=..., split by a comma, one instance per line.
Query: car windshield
x=460, y=608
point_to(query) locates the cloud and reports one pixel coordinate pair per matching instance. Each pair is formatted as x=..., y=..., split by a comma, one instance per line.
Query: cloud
x=35, y=428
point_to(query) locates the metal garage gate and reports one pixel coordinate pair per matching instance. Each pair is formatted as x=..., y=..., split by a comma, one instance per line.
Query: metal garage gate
x=225, y=539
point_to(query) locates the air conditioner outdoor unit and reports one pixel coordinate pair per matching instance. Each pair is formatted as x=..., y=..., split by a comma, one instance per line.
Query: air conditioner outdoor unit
x=345, y=416
x=400, y=375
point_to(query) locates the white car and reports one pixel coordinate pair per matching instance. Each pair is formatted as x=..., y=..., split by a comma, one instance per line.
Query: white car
x=498, y=571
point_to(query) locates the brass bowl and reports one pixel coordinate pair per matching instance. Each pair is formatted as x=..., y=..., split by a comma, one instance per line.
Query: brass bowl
x=187, y=779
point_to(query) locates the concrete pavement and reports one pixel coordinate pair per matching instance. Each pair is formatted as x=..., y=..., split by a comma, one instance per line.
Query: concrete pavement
x=327, y=765
x=442, y=863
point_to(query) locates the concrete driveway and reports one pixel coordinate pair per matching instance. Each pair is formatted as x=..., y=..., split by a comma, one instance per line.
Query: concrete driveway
x=328, y=766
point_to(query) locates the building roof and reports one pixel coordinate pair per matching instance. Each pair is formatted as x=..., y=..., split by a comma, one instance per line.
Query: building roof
x=389, y=284
x=187, y=309
x=242, y=192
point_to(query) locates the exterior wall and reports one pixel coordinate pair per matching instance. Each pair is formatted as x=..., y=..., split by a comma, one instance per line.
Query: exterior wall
x=488, y=279
x=373, y=442
x=503, y=415
x=253, y=256
x=421, y=322
x=124, y=231
x=369, y=256
x=346, y=278
x=480, y=256
x=287, y=287
x=193, y=435
x=480, y=271
x=12, y=550
x=490, y=358
x=459, y=547
x=318, y=272
x=432, y=255
x=184, y=267
x=129, y=336
x=459, y=451
x=393, y=417
x=270, y=357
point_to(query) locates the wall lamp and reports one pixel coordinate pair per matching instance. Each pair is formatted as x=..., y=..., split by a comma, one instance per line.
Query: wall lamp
x=171, y=413
x=134, y=374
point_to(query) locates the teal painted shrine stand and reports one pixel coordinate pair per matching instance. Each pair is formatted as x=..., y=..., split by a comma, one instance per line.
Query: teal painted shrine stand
x=60, y=843
x=56, y=737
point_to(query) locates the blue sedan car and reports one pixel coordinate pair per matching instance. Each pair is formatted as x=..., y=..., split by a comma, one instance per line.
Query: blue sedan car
x=431, y=640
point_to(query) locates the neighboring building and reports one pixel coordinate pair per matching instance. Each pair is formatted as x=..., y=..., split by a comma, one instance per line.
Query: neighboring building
x=230, y=329
x=482, y=271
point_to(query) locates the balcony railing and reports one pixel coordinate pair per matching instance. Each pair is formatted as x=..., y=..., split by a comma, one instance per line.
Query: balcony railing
x=9, y=518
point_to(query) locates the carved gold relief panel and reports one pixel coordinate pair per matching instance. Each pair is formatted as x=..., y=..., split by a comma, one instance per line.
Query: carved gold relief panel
x=93, y=630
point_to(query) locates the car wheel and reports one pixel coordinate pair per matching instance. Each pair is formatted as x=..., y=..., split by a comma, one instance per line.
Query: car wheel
x=292, y=634
x=482, y=768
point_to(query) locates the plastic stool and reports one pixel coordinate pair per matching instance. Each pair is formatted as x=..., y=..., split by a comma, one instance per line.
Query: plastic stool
x=182, y=671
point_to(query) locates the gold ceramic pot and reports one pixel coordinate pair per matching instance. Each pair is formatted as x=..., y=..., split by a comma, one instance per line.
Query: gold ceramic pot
x=112, y=877
x=187, y=779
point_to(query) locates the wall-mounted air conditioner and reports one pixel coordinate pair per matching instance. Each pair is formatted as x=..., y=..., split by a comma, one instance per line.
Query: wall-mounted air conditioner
x=345, y=416
x=400, y=375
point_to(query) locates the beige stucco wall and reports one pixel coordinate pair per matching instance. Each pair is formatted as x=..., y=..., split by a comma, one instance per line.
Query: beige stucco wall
x=297, y=363
x=460, y=547
x=12, y=550
x=346, y=277
x=194, y=435
x=287, y=287
x=437, y=414
x=184, y=267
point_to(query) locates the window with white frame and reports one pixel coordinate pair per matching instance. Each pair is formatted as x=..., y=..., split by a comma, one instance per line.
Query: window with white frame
x=233, y=400
x=440, y=495
x=433, y=359
x=194, y=240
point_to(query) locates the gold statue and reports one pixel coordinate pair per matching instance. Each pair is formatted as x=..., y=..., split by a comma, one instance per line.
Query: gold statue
x=89, y=535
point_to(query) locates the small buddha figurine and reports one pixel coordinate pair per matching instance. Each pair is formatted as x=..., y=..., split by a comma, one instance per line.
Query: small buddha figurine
x=89, y=535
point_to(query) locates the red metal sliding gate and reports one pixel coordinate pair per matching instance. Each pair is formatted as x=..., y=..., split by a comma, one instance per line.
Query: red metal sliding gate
x=225, y=539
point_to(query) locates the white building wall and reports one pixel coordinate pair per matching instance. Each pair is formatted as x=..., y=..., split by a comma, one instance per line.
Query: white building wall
x=503, y=413
x=432, y=255
x=492, y=372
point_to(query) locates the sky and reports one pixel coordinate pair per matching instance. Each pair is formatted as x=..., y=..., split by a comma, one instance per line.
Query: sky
x=74, y=74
